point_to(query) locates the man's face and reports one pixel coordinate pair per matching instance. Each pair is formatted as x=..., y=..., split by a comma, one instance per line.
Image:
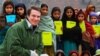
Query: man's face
x=34, y=17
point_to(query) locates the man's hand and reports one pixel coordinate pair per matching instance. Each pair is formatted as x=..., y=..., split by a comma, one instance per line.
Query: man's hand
x=33, y=53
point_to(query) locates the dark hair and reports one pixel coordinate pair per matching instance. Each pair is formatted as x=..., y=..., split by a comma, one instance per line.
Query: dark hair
x=64, y=16
x=86, y=52
x=44, y=5
x=53, y=10
x=22, y=6
x=32, y=8
x=7, y=3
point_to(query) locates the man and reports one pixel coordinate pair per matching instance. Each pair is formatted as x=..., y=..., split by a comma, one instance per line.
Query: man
x=23, y=38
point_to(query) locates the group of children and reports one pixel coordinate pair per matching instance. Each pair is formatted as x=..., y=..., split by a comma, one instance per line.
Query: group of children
x=80, y=39
x=80, y=29
x=16, y=12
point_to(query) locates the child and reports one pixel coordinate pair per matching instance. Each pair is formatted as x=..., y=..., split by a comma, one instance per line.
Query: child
x=71, y=34
x=8, y=8
x=86, y=53
x=3, y=28
x=8, y=11
x=20, y=10
x=94, y=22
x=46, y=25
x=55, y=14
x=60, y=53
x=87, y=33
x=93, y=18
x=73, y=53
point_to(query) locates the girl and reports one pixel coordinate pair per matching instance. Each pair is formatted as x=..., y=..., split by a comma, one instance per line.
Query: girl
x=87, y=33
x=8, y=11
x=93, y=18
x=55, y=14
x=71, y=35
x=46, y=25
x=94, y=22
x=20, y=10
x=8, y=8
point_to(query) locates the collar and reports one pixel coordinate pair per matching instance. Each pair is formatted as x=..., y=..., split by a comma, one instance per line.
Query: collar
x=29, y=24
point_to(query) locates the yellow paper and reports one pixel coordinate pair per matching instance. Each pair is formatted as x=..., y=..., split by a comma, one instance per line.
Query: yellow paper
x=82, y=26
x=58, y=27
x=96, y=28
x=70, y=24
x=47, y=38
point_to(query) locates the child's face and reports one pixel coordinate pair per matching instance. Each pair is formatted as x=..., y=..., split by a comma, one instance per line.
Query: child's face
x=2, y=22
x=80, y=17
x=69, y=13
x=56, y=14
x=44, y=10
x=20, y=11
x=76, y=11
x=9, y=9
x=93, y=19
x=74, y=54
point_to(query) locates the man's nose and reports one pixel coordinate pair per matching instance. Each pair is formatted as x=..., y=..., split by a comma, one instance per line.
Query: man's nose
x=36, y=18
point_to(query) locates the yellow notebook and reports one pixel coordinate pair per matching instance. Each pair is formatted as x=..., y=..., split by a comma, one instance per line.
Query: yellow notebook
x=96, y=28
x=70, y=24
x=47, y=38
x=58, y=27
x=82, y=26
